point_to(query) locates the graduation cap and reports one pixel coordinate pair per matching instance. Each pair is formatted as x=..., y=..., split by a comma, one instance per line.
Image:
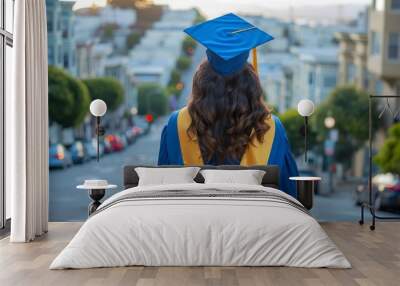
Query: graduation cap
x=228, y=40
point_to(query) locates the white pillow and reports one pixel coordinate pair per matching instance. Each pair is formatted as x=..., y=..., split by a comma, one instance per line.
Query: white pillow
x=166, y=176
x=248, y=177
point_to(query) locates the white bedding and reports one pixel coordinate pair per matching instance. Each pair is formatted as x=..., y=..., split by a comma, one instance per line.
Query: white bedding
x=200, y=231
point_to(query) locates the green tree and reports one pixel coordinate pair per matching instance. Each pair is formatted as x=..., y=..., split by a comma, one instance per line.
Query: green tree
x=293, y=124
x=175, y=90
x=152, y=99
x=188, y=45
x=68, y=98
x=349, y=107
x=108, y=89
x=132, y=40
x=388, y=157
x=183, y=63
x=108, y=31
x=175, y=77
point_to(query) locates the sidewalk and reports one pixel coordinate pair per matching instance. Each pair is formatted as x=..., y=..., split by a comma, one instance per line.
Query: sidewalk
x=340, y=205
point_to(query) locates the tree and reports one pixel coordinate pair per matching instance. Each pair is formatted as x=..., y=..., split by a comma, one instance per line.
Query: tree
x=108, y=31
x=132, y=40
x=108, y=89
x=188, y=45
x=152, y=99
x=68, y=98
x=293, y=124
x=388, y=157
x=133, y=4
x=175, y=77
x=349, y=107
x=183, y=63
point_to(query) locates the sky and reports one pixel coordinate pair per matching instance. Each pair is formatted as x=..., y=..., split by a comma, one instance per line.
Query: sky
x=216, y=7
x=212, y=8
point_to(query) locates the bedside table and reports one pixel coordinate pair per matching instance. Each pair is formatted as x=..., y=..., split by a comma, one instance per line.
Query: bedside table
x=305, y=189
x=96, y=190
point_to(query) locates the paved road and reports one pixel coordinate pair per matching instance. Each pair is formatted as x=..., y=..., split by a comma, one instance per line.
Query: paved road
x=69, y=204
x=188, y=75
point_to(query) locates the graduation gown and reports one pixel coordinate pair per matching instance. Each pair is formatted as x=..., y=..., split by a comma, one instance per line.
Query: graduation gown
x=177, y=148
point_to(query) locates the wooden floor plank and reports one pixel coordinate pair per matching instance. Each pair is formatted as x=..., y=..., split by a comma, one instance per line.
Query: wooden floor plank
x=375, y=257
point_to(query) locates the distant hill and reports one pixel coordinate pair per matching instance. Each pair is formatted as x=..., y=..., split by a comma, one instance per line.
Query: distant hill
x=147, y=13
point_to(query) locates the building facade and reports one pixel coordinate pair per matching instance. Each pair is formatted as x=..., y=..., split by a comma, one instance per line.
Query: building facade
x=54, y=33
x=68, y=37
x=316, y=73
x=61, y=38
x=384, y=44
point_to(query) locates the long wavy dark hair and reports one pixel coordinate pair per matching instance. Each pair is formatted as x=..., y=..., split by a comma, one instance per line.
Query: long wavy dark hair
x=227, y=113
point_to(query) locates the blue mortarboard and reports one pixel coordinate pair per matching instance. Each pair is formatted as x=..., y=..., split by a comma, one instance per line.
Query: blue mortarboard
x=228, y=40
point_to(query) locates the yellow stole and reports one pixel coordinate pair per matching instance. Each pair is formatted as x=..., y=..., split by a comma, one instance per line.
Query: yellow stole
x=256, y=153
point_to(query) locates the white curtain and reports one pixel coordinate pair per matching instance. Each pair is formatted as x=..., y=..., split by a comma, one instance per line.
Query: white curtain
x=27, y=124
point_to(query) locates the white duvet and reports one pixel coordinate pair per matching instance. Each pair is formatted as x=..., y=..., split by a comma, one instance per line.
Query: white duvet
x=200, y=231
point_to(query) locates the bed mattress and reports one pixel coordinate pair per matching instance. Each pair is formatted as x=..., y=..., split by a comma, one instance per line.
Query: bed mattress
x=201, y=225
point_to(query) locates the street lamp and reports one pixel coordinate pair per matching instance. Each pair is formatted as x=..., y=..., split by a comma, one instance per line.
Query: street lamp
x=98, y=108
x=330, y=122
x=305, y=108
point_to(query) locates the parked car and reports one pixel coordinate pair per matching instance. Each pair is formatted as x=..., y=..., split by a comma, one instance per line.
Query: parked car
x=130, y=136
x=91, y=148
x=137, y=131
x=124, y=140
x=107, y=148
x=386, y=192
x=78, y=153
x=115, y=142
x=59, y=157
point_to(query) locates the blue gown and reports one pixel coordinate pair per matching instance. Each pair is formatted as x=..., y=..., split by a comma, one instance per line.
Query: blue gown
x=175, y=149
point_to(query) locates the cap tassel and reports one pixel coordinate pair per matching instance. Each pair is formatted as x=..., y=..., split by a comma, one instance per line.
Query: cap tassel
x=255, y=63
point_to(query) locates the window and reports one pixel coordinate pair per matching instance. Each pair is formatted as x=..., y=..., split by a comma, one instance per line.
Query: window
x=375, y=43
x=329, y=81
x=395, y=5
x=66, y=61
x=6, y=43
x=9, y=15
x=379, y=5
x=311, y=78
x=394, y=46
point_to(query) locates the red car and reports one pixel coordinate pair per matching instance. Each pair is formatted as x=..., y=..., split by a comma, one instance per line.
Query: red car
x=115, y=142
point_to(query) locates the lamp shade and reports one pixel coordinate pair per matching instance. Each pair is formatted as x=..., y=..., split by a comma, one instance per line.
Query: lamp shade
x=98, y=107
x=305, y=107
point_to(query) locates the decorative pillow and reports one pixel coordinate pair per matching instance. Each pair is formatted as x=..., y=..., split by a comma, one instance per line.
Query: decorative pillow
x=248, y=177
x=165, y=176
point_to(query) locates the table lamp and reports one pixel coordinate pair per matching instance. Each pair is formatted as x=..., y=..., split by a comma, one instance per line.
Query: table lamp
x=98, y=108
x=305, y=108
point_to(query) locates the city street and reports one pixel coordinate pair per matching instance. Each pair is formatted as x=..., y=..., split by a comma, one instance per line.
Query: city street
x=199, y=54
x=70, y=204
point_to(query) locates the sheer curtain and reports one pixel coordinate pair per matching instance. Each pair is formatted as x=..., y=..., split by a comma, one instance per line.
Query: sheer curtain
x=27, y=124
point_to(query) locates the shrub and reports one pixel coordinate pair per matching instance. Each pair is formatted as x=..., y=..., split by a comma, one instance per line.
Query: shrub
x=68, y=98
x=108, y=89
x=152, y=99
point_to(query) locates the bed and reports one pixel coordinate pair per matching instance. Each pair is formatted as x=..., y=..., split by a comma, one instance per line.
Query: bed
x=199, y=224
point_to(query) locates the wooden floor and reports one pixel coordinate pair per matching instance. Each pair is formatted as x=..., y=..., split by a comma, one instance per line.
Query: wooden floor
x=375, y=257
